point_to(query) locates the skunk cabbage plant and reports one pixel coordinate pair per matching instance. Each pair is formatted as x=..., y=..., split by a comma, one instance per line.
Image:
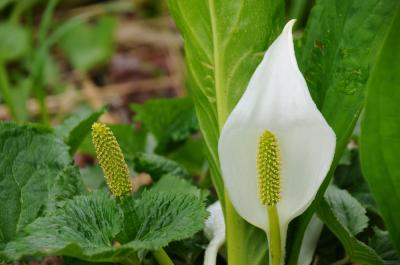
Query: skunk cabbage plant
x=275, y=148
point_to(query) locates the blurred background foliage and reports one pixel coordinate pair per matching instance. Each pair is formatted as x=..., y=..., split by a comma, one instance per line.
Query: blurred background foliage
x=63, y=61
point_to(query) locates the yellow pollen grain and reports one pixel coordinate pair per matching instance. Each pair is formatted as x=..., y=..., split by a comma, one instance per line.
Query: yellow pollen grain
x=111, y=160
x=268, y=169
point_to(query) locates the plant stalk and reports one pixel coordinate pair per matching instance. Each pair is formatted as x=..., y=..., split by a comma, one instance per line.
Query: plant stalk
x=162, y=257
x=235, y=234
x=275, y=243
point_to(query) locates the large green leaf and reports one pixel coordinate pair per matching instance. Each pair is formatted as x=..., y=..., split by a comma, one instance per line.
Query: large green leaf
x=224, y=42
x=356, y=250
x=347, y=210
x=336, y=55
x=171, y=121
x=335, y=67
x=35, y=175
x=380, y=135
x=98, y=228
x=158, y=218
x=85, y=227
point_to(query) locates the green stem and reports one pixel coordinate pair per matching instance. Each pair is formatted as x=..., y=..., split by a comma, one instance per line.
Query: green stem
x=5, y=91
x=275, y=242
x=162, y=257
x=235, y=233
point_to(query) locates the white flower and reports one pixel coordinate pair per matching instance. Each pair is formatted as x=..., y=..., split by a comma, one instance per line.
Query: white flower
x=275, y=148
x=310, y=241
x=214, y=230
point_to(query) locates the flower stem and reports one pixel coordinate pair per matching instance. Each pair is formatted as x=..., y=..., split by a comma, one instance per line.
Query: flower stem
x=275, y=252
x=235, y=235
x=162, y=257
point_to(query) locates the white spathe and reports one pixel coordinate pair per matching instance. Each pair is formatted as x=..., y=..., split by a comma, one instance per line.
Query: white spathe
x=310, y=241
x=214, y=230
x=276, y=99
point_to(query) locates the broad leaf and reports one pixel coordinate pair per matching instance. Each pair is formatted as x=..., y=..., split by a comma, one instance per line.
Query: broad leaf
x=98, y=228
x=349, y=212
x=84, y=228
x=67, y=184
x=337, y=69
x=158, y=218
x=74, y=129
x=157, y=166
x=224, y=42
x=171, y=121
x=34, y=171
x=356, y=250
x=380, y=135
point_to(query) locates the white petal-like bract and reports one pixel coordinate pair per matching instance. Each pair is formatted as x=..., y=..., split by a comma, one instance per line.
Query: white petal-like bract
x=214, y=229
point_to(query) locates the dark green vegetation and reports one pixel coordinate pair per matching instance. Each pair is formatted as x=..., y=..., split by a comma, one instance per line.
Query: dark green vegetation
x=54, y=200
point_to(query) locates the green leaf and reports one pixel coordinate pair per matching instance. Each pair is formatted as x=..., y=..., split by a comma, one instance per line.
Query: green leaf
x=171, y=121
x=87, y=227
x=157, y=166
x=383, y=245
x=67, y=184
x=14, y=41
x=33, y=164
x=380, y=134
x=84, y=228
x=74, y=129
x=88, y=46
x=224, y=42
x=356, y=250
x=337, y=70
x=158, y=218
x=348, y=211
